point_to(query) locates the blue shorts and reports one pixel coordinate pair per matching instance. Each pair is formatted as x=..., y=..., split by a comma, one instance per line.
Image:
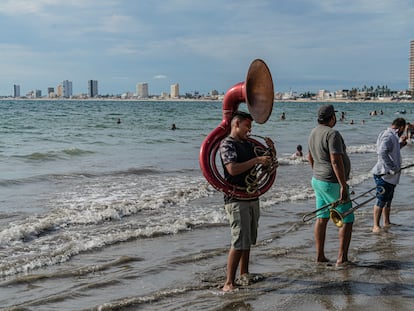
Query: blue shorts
x=328, y=192
x=384, y=199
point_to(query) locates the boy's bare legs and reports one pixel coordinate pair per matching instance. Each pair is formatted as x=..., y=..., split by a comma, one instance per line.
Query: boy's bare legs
x=244, y=261
x=232, y=263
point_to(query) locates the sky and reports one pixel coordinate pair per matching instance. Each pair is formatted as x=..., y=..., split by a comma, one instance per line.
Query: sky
x=308, y=45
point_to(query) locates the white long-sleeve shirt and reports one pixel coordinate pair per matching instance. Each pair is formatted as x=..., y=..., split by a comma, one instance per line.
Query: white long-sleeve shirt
x=389, y=156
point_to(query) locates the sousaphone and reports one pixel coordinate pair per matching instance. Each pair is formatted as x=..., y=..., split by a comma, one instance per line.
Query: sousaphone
x=258, y=93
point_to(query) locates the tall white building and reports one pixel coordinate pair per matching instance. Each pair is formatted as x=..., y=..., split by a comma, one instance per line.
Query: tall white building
x=67, y=89
x=411, y=80
x=92, y=88
x=59, y=90
x=175, y=90
x=142, y=90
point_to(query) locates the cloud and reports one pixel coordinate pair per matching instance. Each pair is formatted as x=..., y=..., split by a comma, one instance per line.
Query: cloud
x=22, y=7
x=39, y=7
x=205, y=44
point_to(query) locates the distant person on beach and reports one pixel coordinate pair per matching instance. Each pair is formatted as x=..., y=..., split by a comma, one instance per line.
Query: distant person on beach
x=118, y=121
x=283, y=116
x=173, y=127
x=238, y=158
x=299, y=152
x=331, y=167
x=387, y=169
x=409, y=131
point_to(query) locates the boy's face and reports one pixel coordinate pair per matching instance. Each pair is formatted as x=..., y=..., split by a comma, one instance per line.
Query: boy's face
x=245, y=128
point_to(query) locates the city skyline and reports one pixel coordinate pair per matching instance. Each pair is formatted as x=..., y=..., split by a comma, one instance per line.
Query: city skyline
x=411, y=78
x=64, y=90
x=202, y=46
x=142, y=88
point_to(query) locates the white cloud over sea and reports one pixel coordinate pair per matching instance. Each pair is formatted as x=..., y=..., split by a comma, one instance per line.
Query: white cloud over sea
x=308, y=44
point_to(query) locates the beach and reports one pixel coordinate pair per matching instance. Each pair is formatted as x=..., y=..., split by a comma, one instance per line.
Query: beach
x=97, y=215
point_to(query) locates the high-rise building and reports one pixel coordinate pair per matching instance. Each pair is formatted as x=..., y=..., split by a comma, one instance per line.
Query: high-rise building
x=142, y=90
x=67, y=88
x=51, y=92
x=175, y=90
x=59, y=90
x=16, y=90
x=411, y=83
x=92, y=88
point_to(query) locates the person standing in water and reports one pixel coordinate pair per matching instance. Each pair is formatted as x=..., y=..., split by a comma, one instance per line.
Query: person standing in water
x=238, y=158
x=387, y=169
x=331, y=167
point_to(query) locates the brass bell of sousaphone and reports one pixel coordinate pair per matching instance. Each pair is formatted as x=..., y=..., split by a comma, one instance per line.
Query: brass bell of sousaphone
x=258, y=93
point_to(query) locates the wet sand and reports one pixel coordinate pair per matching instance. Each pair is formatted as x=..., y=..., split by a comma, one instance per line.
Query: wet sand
x=185, y=271
x=380, y=277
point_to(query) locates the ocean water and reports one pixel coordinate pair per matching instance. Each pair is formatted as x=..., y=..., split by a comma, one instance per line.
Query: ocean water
x=106, y=216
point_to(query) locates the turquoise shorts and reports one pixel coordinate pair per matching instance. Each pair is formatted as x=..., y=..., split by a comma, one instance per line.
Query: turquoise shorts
x=243, y=217
x=328, y=192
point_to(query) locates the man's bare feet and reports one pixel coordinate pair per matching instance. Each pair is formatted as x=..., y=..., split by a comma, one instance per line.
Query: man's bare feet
x=229, y=288
x=345, y=263
x=376, y=229
x=322, y=259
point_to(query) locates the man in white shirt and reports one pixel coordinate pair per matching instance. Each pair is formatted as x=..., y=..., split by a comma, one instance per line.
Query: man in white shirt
x=387, y=169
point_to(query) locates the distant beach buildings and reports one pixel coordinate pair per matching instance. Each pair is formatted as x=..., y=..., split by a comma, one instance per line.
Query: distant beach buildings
x=59, y=91
x=175, y=91
x=142, y=90
x=92, y=88
x=65, y=90
x=16, y=91
x=411, y=83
